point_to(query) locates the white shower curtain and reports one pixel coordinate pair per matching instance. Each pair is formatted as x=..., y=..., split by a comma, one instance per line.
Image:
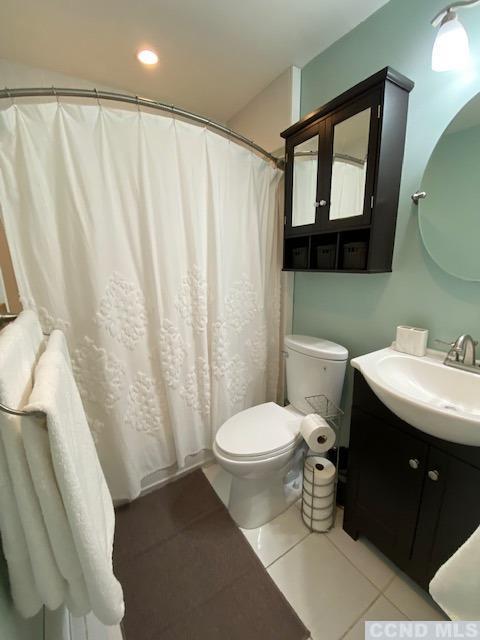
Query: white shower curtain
x=154, y=244
x=348, y=189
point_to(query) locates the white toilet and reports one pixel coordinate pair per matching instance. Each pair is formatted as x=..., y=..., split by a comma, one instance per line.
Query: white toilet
x=260, y=445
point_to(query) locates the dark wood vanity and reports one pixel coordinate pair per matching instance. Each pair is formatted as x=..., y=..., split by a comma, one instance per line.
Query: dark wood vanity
x=342, y=179
x=416, y=497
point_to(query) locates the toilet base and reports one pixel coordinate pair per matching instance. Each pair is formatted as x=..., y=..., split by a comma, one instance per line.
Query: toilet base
x=253, y=503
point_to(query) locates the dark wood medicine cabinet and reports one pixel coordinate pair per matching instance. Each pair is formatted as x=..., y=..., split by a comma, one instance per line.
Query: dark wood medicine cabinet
x=342, y=179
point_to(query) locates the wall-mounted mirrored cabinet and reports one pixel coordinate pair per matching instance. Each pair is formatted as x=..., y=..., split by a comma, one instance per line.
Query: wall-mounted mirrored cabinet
x=343, y=168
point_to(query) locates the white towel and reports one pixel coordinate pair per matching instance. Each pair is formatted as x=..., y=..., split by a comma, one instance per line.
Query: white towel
x=20, y=345
x=22, y=584
x=37, y=447
x=79, y=476
x=456, y=585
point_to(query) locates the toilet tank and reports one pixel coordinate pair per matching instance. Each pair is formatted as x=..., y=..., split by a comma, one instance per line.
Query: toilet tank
x=314, y=367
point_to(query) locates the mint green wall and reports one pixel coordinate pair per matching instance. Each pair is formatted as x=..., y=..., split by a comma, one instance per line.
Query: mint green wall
x=362, y=311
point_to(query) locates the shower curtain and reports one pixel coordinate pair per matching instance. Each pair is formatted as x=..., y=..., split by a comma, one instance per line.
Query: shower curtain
x=348, y=188
x=154, y=244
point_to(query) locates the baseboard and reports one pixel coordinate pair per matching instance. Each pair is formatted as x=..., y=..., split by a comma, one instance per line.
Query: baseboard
x=164, y=476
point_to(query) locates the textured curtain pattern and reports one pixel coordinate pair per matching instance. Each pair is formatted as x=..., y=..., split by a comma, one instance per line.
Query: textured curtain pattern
x=154, y=244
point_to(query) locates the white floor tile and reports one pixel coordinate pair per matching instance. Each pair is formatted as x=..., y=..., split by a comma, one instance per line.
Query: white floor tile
x=364, y=555
x=381, y=609
x=275, y=538
x=325, y=589
x=413, y=601
x=220, y=481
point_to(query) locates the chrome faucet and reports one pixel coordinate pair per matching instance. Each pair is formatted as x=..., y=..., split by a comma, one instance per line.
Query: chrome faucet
x=462, y=354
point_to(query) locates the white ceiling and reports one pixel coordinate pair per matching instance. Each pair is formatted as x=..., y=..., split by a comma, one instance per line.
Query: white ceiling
x=215, y=55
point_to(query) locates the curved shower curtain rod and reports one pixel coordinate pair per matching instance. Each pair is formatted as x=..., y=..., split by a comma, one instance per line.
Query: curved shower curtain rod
x=57, y=92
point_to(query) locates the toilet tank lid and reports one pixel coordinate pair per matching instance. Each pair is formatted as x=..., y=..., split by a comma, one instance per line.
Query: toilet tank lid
x=316, y=347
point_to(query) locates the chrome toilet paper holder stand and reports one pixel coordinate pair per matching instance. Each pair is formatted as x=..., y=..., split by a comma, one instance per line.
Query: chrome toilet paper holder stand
x=333, y=415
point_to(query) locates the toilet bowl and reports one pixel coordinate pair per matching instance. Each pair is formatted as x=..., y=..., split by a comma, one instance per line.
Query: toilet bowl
x=262, y=448
x=257, y=447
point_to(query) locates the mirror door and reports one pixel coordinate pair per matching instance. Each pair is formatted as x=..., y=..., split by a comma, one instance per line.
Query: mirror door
x=304, y=173
x=352, y=135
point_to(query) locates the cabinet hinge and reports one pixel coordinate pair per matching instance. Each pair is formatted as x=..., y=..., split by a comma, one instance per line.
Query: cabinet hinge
x=372, y=202
x=285, y=221
x=379, y=111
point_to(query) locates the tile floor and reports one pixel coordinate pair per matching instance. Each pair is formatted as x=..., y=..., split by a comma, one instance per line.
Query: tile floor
x=333, y=583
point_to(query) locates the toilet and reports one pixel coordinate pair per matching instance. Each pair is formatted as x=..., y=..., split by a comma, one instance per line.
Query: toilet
x=262, y=448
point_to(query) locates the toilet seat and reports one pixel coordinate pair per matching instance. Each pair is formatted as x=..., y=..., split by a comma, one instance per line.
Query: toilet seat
x=259, y=432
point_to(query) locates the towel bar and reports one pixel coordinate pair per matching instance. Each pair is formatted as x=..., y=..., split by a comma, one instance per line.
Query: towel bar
x=19, y=412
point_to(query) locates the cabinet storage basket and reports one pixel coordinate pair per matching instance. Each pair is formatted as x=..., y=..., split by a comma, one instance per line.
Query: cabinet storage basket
x=355, y=255
x=326, y=256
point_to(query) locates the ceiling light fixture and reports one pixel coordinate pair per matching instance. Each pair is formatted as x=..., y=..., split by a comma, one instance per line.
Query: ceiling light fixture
x=451, y=49
x=147, y=56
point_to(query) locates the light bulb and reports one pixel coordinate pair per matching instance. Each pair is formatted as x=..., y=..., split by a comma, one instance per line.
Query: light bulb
x=148, y=57
x=450, y=49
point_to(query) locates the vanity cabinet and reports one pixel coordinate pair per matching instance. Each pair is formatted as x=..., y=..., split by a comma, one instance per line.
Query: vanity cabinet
x=413, y=495
x=342, y=179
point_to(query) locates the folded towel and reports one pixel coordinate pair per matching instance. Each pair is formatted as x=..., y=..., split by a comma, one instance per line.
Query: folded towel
x=79, y=476
x=456, y=585
x=37, y=447
x=20, y=345
x=22, y=584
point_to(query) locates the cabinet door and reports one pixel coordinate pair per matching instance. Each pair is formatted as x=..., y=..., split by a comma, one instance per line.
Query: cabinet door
x=304, y=179
x=450, y=513
x=352, y=146
x=385, y=480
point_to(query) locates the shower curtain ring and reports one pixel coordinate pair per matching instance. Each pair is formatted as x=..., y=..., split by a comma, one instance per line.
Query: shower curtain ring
x=98, y=99
x=54, y=91
x=137, y=102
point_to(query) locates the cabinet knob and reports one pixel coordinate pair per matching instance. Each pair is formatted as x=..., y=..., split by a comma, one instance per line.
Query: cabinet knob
x=414, y=463
x=434, y=475
x=322, y=203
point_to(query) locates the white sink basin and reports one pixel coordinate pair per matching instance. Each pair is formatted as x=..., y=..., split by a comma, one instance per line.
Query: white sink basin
x=430, y=396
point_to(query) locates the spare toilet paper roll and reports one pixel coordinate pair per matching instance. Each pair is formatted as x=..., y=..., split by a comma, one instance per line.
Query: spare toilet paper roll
x=319, y=436
x=318, y=514
x=319, y=471
x=319, y=502
x=318, y=525
x=325, y=491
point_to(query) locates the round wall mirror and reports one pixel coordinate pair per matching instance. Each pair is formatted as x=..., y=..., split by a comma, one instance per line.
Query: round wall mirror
x=449, y=217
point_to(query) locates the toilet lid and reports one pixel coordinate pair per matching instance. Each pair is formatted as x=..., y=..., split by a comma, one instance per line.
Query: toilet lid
x=316, y=347
x=266, y=428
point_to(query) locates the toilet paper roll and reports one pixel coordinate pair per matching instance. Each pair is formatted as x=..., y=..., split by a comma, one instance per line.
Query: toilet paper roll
x=319, y=471
x=324, y=491
x=319, y=436
x=317, y=514
x=318, y=525
x=320, y=502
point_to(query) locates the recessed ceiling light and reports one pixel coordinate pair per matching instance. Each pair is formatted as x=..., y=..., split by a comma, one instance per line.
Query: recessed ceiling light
x=147, y=56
